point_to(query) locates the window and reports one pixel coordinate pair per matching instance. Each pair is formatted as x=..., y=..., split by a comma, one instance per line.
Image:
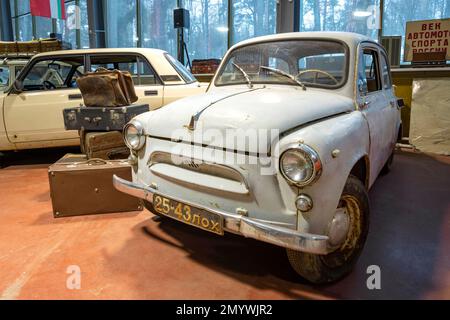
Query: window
x=368, y=76
x=360, y=16
x=182, y=71
x=75, y=29
x=121, y=23
x=208, y=34
x=386, y=74
x=4, y=78
x=157, y=25
x=43, y=27
x=398, y=12
x=141, y=71
x=252, y=18
x=23, y=29
x=315, y=63
x=59, y=73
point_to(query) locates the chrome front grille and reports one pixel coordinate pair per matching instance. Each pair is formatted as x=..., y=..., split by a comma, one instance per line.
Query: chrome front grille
x=199, y=166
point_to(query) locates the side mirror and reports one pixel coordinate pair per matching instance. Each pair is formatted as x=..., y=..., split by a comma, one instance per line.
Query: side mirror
x=400, y=102
x=18, y=86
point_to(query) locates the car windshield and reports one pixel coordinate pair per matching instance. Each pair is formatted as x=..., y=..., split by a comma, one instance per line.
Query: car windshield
x=4, y=78
x=312, y=63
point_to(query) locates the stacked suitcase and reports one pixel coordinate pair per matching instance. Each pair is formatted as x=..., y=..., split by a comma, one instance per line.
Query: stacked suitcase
x=101, y=129
x=88, y=177
x=90, y=183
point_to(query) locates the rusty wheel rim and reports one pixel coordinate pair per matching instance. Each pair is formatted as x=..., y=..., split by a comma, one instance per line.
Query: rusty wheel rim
x=349, y=246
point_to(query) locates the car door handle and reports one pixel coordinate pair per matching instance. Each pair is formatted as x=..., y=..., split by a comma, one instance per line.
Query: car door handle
x=151, y=92
x=75, y=96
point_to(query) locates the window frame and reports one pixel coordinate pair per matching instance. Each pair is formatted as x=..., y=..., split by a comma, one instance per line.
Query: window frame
x=383, y=55
x=24, y=72
x=342, y=84
x=374, y=48
x=139, y=56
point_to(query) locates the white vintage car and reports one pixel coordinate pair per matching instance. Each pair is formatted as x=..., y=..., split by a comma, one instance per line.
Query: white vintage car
x=31, y=110
x=283, y=148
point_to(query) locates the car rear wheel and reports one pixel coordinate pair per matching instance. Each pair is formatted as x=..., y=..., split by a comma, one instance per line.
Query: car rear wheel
x=348, y=233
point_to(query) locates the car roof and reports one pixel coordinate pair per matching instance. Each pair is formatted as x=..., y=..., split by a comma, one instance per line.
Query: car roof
x=7, y=61
x=101, y=50
x=352, y=39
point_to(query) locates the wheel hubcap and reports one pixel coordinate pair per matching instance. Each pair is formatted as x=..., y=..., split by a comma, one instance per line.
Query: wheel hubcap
x=339, y=227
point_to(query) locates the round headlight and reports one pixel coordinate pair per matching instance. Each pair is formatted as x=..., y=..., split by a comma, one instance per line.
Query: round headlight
x=300, y=165
x=134, y=135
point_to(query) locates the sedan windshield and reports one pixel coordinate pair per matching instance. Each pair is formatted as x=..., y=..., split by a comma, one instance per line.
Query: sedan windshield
x=310, y=63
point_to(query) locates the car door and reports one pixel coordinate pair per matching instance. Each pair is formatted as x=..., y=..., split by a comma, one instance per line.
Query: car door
x=392, y=113
x=34, y=116
x=147, y=84
x=375, y=106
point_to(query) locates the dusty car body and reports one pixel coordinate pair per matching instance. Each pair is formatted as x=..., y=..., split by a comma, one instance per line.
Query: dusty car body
x=328, y=97
x=31, y=109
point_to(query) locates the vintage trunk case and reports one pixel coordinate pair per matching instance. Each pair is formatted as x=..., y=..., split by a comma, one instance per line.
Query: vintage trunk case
x=101, y=118
x=80, y=187
x=105, y=145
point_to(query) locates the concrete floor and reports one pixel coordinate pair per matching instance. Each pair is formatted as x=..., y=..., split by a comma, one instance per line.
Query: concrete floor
x=130, y=256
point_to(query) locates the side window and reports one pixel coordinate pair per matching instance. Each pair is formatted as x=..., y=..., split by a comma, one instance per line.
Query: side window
x=141, y=71
x=4, y=78
x=51, y=74
x=368, y=75
x=386, y=74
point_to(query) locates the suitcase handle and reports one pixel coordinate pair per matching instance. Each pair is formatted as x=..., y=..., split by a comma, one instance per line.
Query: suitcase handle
x=96, y=161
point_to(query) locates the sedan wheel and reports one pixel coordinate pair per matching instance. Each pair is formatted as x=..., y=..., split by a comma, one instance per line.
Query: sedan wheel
x=347, y=234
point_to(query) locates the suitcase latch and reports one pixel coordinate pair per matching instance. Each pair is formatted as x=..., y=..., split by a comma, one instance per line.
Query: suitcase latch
x=71, y=116
x=94, y=120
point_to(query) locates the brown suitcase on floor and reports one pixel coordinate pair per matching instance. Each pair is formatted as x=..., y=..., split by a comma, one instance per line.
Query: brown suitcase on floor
x=105, y=145
x=81, y=187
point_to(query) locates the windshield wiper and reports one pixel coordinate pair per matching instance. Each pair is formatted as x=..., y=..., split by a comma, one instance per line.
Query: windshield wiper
x=287, y=75
x=247, y=78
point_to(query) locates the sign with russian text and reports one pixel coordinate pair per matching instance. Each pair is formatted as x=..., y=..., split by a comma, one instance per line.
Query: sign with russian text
x=427, y=36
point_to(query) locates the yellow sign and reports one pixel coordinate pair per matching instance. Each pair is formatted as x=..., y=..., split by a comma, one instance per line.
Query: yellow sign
x=427, y=36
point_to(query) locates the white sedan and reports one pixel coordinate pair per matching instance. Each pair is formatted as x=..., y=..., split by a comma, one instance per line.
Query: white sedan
x=282, y=148
x=31, y=109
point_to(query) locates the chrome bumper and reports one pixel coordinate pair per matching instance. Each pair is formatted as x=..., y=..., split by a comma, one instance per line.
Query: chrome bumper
x=245, y=226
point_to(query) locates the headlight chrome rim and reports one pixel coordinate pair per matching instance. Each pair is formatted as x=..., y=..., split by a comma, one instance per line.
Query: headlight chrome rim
x=311, y=156
x=140, y=133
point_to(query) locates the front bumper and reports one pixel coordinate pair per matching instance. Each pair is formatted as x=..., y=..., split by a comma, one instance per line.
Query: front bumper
x=251, y=228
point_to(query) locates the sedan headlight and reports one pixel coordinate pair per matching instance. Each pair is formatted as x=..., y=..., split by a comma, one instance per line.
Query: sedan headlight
x=300, y=165
x=134, y=135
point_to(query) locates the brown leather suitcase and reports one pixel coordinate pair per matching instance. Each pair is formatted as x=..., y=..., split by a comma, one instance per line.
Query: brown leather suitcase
x=82, y=187
x=105, y=145
x=107, y=88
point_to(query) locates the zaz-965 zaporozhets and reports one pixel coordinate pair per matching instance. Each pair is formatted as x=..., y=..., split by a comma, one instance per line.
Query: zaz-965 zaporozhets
x=283, y=147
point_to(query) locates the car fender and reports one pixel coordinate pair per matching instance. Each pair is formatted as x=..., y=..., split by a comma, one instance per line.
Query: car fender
x=340, y=141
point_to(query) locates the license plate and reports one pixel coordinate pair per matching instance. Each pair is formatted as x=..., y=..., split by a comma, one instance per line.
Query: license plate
x=188, y=214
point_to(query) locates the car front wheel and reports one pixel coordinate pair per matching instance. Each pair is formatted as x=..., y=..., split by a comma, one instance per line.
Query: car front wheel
x=347, y=235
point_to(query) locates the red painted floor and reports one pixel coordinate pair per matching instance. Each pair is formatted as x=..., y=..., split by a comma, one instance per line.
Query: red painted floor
x=130, y=256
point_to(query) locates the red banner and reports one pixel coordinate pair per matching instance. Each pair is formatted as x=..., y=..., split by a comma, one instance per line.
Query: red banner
x=48, y=8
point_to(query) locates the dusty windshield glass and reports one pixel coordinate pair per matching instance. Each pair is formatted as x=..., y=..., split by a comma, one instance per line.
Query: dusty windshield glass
x=314, y=63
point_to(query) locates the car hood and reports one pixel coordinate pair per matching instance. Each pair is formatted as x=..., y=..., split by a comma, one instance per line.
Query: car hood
x=228, y=111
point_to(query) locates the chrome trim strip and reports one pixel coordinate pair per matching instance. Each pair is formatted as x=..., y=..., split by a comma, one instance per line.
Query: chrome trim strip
x=251, y=228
